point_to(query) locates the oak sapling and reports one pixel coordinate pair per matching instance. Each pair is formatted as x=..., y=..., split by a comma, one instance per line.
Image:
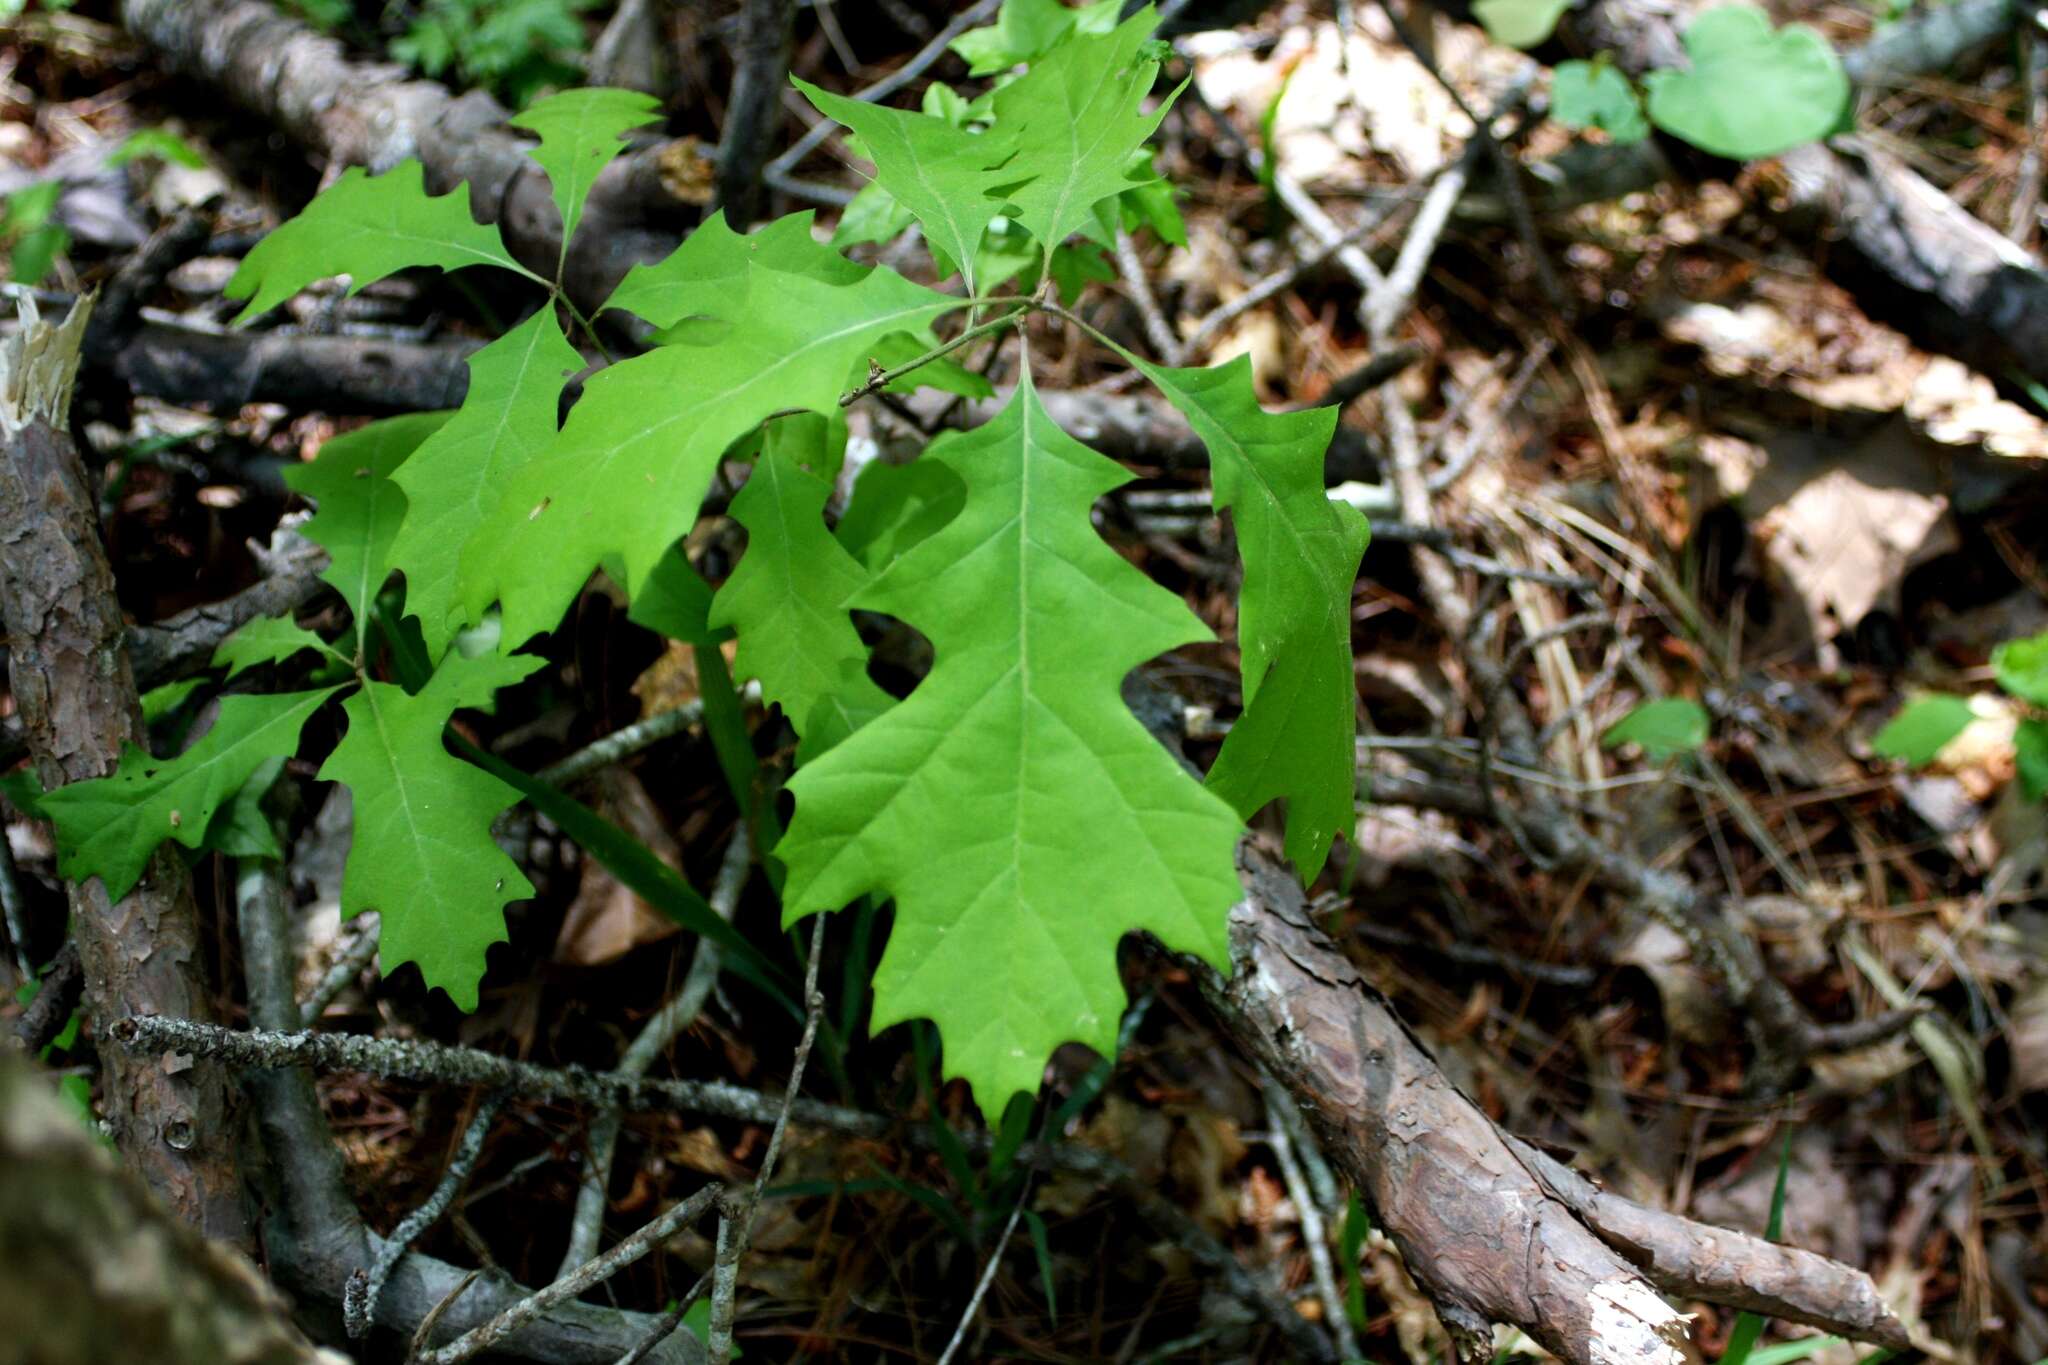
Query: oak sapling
x=1016, y=812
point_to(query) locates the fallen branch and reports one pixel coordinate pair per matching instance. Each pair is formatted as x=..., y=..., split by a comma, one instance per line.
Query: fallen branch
x=373, y=114
x=316, y=1240
x=1479, y=1225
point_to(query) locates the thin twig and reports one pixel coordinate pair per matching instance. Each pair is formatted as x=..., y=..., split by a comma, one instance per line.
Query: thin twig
x=1482, y=432
x=1286, y=1125
x=353, y=960
x=2025, y=215
x=570, y=1286
x=988, y=1277
x=623, y=744
x=360, y=1311
x=732, y=1246
x=1157, y=331
x=16, y=911
x=670, y=1321
x=654, y=1038
x=982, y=11
x=1222, y=315
x=399, y=1059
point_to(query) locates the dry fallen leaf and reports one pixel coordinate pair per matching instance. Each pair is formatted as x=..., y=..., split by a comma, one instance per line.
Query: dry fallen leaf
x=607, y=920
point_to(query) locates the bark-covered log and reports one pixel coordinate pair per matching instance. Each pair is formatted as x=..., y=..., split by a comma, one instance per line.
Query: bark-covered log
x=375, y=114
x=1489, y=1231
x=1910, y=255
x=303, y=372
x=92, y=1269
x=69, y=672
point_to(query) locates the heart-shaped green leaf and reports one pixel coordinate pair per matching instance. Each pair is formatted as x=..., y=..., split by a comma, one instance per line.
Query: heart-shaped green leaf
x=1595, y=95
x=1661, y=728
x=1750, y=91
x=1923, y=727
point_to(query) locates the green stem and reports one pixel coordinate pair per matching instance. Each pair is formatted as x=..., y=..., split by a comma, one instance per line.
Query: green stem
x=883, y=378
x=589, y=328
x=725, y=723
x=1130, y=357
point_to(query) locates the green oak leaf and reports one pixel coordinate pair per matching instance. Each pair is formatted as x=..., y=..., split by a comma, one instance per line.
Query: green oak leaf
x=108, y=827
x=457, y=474
x=897, y=506
x=366, y=227
x=1078, y=117
x=873, y=216
x=360, y=506
x=1519, y=23
x=1025, y=30
x=1749, y=91
x=1662, y=728
x=787, y=600
x=242, y=828
x=2022, y=668
x=940, y=174
x=2030, y=750
x=676, y=601
x=1595, y=95
x=1297, y=738
x=1923, y=728
x=267, y=640
x=579, y=136
x=423, y=855
x=700, y=277
x=629, y=469
x=1018, y=813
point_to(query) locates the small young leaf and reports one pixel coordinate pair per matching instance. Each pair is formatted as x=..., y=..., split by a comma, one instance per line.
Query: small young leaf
x=265, y=640
x=787, y=600
x=360, y=507
x=1075, y=267
x=1923, y=728
x=242, y=829
x=108, y=827
x=938, y=173
x=2022, y=668
x=579, y=136
x=366, y=227
x=1301, y=552
x=897, y=506
x=1662, y=728
x=1018, y=813
x=458, y=473
x=423, y=854
x=2030, y=751
x=676, y=601
x=1750, y=92
x=1595, y=95
x=161, y=143
x=1519, y=23
x=873, y=216
x=1079, y=116
x=160, y=702
x=1025, y=30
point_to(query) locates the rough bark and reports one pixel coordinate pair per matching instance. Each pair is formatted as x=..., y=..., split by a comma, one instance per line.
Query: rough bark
x=330, y=373
x=1492, y=1232
x=374, y=114
x=93, y=1269
x=70, y=677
